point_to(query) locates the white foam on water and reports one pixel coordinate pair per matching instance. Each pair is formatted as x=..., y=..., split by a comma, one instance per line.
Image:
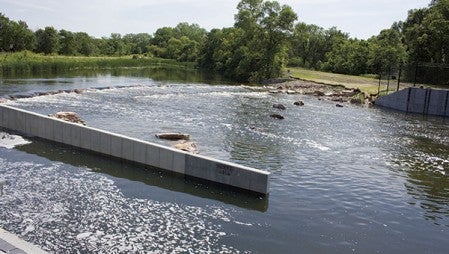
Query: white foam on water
x=10, y=141
x=66, y=209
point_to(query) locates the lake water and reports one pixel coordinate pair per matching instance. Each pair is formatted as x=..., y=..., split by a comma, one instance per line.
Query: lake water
x=344, y=180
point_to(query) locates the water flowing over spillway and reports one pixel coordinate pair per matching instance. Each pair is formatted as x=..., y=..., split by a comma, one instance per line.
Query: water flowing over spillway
x=343, y=180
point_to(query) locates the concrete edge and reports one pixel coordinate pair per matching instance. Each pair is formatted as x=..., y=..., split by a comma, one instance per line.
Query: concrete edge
x=20, y=244
x=177, y=159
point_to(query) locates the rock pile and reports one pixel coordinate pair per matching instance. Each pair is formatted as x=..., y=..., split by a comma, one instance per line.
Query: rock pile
x=69, y=117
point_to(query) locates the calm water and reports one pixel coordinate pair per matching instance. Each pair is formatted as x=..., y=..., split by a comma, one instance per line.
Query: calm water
x=344, y=180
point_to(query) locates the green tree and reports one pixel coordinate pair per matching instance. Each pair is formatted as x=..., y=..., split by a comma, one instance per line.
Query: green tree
x=47, y=40
x=15, y=36
x=86, y=45
x=266, y=26
x=192, y=31
x=308, y=45
x=68, y=44
x=137, y=43
x=387, y=51
x=349, y=57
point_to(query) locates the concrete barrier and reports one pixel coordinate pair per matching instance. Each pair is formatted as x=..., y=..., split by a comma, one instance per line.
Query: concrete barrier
x=396, y=100
x=134, y=150
x=417, y=100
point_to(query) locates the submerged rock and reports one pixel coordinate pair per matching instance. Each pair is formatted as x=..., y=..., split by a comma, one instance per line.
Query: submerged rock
x=276, y=116
x=339, y=106
x=69, y=117
x=279, y=106
x=298, y=103
x=173, y=136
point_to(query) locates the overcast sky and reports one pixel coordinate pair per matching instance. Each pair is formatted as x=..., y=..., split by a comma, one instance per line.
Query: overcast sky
x=100, y=18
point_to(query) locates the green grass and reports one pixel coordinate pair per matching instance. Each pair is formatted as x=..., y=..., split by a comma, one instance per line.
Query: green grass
x=27, y=62
x=368, y=85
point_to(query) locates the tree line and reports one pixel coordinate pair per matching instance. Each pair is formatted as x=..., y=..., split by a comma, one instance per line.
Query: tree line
x=265, y=38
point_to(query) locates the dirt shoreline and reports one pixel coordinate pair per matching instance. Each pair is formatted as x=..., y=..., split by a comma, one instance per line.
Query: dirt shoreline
x=336, y=93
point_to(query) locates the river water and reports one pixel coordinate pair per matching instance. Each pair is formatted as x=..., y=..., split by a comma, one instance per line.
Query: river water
x=344, y=180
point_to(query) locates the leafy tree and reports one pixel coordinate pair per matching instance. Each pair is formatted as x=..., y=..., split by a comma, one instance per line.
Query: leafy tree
x=308, y=44
x=386, y=51
x=47, y=40
x=137, y=43
x=15, y=36
x=113, y=46
x=349, y=57
x=266, y=26
x=192, y=31
x=162, y=36
x=182, y=42
x=68, y=44
x=86, y=45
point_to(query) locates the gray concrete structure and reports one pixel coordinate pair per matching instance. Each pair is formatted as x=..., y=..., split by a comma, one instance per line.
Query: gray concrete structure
x=417, y=100
x=10, y=243
x=134, y=150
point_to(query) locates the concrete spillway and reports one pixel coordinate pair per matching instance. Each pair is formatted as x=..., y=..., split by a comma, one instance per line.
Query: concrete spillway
x=134, y=150
x=418, y=100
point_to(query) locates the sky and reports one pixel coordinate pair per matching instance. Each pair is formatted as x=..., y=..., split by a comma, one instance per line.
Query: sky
x=99, y=18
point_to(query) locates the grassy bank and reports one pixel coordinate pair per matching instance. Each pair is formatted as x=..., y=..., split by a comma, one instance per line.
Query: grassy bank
x=365, y=84
x=28, y=62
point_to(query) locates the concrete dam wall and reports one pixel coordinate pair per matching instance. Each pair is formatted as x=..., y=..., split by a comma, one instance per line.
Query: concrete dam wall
x=418, y=100
x=134, y=150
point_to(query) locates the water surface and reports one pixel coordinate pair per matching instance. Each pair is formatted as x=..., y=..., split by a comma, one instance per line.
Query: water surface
x=343, y=180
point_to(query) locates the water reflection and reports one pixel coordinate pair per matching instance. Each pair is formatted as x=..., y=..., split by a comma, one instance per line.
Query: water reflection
x=151, y=176
x=247, y=139
x=165, y=73
x=425, y=161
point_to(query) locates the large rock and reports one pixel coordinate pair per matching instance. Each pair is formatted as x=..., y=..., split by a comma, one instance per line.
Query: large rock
x=173, y=136
x=279, y=106
x=298, y=103
x=69, y=117
x=276, y=116
x=190, y=147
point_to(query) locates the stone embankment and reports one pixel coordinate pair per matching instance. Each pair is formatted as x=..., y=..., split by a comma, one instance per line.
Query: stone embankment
x=334, y=93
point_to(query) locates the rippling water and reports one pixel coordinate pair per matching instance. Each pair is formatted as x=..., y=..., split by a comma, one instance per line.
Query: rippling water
x=343, y=179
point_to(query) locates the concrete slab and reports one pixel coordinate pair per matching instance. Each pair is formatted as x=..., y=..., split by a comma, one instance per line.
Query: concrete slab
x=140, y=152
x=437, y=102
x=95, y=141
x=136, y=150
x=116, y=146
x=127, y=149
x=15, y=120
x=396, y=100
x=48, y=126
x=198, y=167
x=105, y=143
x=75, y=138
x=57, y=131
x=447, y=104
x=20, y=122
x=260, y=183
x=166, y=159
x=179, y=162
x=417, y=100
x=5, y=117
x=85, y=142
x=6, y=247
x=153, y=155
x=18, y=245
x=1, y=116
x=67, y=134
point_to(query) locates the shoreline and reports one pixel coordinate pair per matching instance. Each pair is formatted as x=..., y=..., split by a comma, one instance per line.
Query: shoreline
x=331, y=92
